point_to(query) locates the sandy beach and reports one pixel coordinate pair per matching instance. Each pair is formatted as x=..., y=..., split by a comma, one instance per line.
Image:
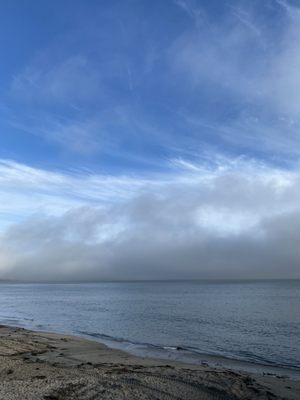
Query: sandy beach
x=37, y=365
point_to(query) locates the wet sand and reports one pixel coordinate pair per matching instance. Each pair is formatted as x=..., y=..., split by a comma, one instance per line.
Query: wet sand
x=37, y=365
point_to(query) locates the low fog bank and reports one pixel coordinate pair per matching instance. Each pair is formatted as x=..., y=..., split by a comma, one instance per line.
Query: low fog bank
x=233, y=227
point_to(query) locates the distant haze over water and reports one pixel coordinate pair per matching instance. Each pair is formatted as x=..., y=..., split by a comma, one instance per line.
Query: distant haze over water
x=256, y=321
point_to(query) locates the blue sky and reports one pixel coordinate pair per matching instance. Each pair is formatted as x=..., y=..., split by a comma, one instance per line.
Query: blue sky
x=129, y=85
x=163, y=106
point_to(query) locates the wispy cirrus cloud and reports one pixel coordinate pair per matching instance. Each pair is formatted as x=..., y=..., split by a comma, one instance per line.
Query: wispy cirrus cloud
x=235, y=73
x=27, y=191
x=237, y=60
x=70, y=81
x=218, y=51
x=56, y=96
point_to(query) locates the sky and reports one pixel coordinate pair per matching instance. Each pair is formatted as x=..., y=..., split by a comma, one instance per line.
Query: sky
x=149, y=139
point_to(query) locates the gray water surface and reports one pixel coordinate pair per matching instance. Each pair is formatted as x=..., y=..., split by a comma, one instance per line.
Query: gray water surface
x=256, y=322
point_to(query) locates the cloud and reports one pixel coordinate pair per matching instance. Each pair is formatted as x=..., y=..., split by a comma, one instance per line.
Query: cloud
x=55, y=97
x=74, y=79
x=245, y=70
x=27, y=191
x=282, y=86
x=234, y=72
x=218, y=53
x=238, y=221
x=192, y=10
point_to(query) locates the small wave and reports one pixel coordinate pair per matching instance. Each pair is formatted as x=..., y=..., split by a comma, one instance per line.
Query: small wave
x=118, y=339
x=181, y=352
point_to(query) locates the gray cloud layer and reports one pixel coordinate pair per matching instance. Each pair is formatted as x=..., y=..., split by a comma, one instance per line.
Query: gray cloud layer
x=228, y=225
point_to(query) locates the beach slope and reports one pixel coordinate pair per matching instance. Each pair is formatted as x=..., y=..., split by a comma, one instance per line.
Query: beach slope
x=48, y=366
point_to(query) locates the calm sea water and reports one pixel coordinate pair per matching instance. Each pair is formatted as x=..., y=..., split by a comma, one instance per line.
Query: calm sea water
x=254, y=321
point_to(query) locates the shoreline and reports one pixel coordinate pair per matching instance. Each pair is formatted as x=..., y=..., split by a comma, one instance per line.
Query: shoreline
x=186, y=356
x=57, y=366
x=180, y=355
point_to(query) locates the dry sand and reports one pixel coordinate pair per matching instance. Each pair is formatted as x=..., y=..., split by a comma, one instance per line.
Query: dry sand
x=37, y=365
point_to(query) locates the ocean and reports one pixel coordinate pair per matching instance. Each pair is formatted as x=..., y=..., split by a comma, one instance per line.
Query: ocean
x=256, y=322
